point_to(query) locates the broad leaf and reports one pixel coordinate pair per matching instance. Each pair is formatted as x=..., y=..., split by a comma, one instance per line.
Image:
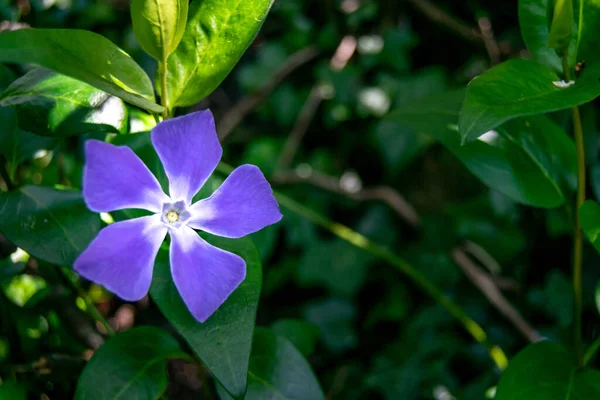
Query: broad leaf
x=52, y=104
x=562, y=25
x=16, y=144
x=534, y=20
x=279, y=371
x=303, y=335
x=50, y=224
x=159, y=25
x=218, y=32
x=82, y=55
x=547, y=371
x=589, y=216
x=530, y=160
x=518, y=88
x=131, y=365
x=224, y=341
x=587, y=35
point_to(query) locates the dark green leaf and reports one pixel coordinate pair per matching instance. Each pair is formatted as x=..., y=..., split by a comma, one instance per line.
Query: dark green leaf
x=159, y=25
x=547, y=371
x=50, y=224
x=562, y=23
x=518, y=88
x=302, y=334
x=52, y=104
x=13, y=390
x=589, y=216
x=534, y=20
x=279, y=371
x=131, y=365
x=587, y=35
x=224, y=341
x=335, y=319
x=530, y=160
x=82, y=55
x=217, y=34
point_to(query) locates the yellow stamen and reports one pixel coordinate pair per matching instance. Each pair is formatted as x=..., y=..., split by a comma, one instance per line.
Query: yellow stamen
x=172, y=216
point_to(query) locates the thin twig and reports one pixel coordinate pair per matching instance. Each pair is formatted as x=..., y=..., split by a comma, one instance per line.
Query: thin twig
x=236, y=114
x=491, y=45
x=455, y=25
x=300, y=127
x=382, y=193
x=487, y=286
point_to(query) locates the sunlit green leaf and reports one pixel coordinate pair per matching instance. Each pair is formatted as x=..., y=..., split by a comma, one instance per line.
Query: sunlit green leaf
x=82, y=55
x=51, y=104
x=217, y=34
x=159, y=25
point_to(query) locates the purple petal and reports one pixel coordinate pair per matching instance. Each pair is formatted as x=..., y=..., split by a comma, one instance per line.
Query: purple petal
x=121, y=258
x=204, y=275
x=189, y=150
x=242, y=205
x=114, y=178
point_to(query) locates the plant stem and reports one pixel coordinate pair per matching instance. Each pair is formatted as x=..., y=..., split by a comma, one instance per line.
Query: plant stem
x=5, y=175
x=362, y=242
x=163, y=93
x=89, y=304
x=578, y=236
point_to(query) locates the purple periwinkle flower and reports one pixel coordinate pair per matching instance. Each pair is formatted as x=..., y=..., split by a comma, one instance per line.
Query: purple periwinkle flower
x=121, y=257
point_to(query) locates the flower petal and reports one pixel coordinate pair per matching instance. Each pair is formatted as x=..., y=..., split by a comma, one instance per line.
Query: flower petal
x=121, y=258
x=189, y=150
x=204, y=275
x=114, y=178
x=242, y=205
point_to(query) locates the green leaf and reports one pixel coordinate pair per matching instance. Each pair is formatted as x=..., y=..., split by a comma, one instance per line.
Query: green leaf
x=562, y=23
x=534, y=20
x=547, y=371
x=218, y=32
x=589, y=216
x=279, y=371
x=518, y=88
x=13, y=390
x=50, y=224
x=300, y=333
x=159, y=25
x=51, y=104
x=82, y=55
x=224, y=341
x=587, y=34
x=531, y=160
x=130, y=365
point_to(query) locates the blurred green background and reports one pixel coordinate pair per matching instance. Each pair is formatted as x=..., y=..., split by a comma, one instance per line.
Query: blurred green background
x=308, y=104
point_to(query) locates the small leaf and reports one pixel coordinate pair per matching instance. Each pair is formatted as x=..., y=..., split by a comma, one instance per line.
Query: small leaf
x=534, y=20
x=531, y=160
x=589, y=216
x=300, y=333
x=50, y=104
x=279, y=371
x=519, y=88
x=53, y=225
x=224, y=341
x=82, y=55
x=159, y=25
x=547, y=371
x=218, y=32
x=130, y=365
x=562, y=22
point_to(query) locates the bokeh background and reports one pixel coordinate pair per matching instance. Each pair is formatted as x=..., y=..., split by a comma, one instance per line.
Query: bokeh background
x=308, y=103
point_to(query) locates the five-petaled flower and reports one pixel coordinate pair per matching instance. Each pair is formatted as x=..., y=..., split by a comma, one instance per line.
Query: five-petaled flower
x=121, y=257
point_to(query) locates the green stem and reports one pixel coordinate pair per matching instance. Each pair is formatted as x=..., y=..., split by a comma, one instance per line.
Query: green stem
x=163, y=94
x=89, y=304
x=362, y=242
x=577, y=235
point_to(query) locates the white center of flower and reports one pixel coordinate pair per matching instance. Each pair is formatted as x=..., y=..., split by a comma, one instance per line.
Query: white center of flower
x=172, y=216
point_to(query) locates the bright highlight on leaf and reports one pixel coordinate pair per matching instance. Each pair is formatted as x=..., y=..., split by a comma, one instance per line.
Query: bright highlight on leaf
x=122, y=256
